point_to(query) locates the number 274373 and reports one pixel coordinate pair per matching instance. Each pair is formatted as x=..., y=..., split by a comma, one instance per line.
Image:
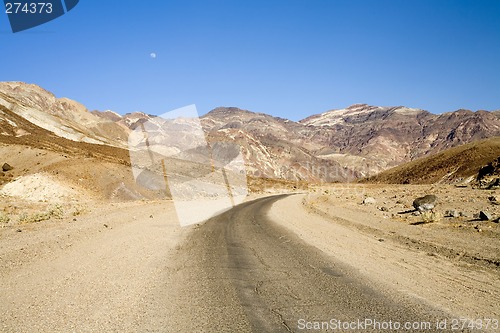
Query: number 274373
x=28, y=8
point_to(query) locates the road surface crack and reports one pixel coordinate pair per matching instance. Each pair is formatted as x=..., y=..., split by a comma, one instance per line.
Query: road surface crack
x=275, y=312
x=259, y=258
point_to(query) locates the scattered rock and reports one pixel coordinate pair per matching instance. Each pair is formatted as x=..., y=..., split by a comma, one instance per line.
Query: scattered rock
x=452, y=213
x=105, y=225
x=494, y=200
x=150, y=216
x=384, y=209
x=425, y=203
x=369, y=201
x=7, y=167
x=488, y=172
x=18, y=230
x=495, y=184
x=484, y=216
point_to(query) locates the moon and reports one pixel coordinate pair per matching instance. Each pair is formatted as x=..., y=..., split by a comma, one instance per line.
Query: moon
x=153, y=55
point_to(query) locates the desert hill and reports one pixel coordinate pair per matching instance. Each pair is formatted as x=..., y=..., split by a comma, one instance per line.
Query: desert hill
x=335, y=146
x=64, y=117
x=461, y=164
x=98, y=171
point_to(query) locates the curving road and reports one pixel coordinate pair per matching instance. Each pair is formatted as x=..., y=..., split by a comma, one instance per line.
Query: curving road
x=239, y=272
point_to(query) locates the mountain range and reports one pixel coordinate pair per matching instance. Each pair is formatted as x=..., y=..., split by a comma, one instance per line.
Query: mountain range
x=337, y=145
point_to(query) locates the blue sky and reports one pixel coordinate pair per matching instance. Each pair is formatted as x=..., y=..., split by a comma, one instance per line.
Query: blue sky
x=288, y=58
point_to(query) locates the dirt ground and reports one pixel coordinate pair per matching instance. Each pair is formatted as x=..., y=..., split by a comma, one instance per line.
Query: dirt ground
x=451, y=263
x=465, y=237
x=93, y=265
x=85, y=273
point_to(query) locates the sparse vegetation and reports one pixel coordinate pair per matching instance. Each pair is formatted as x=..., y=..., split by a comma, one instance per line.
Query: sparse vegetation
x=55, y=211
x=4, y=218
x=78, y=210
x=23, y=217
x=431, y=216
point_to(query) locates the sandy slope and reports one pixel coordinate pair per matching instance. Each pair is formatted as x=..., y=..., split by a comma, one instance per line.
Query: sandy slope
x=46, y=173
x=394, y=259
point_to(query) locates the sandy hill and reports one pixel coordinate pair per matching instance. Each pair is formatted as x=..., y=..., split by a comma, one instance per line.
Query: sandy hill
x=454, y=165
x=39, y=156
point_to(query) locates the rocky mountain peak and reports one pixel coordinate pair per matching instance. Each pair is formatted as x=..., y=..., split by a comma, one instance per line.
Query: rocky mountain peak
x=62, y=116
x=337, y=116
x=108, y=114
x=224, y=111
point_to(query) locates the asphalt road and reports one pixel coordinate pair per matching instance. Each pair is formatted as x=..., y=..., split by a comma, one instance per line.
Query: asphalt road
x=239, y=272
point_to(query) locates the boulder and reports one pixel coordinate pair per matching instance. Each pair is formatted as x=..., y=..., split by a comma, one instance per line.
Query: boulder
x=484, y=216
x=425, y=203
x=494, y=200
x=7, y=167
x=495, y=184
